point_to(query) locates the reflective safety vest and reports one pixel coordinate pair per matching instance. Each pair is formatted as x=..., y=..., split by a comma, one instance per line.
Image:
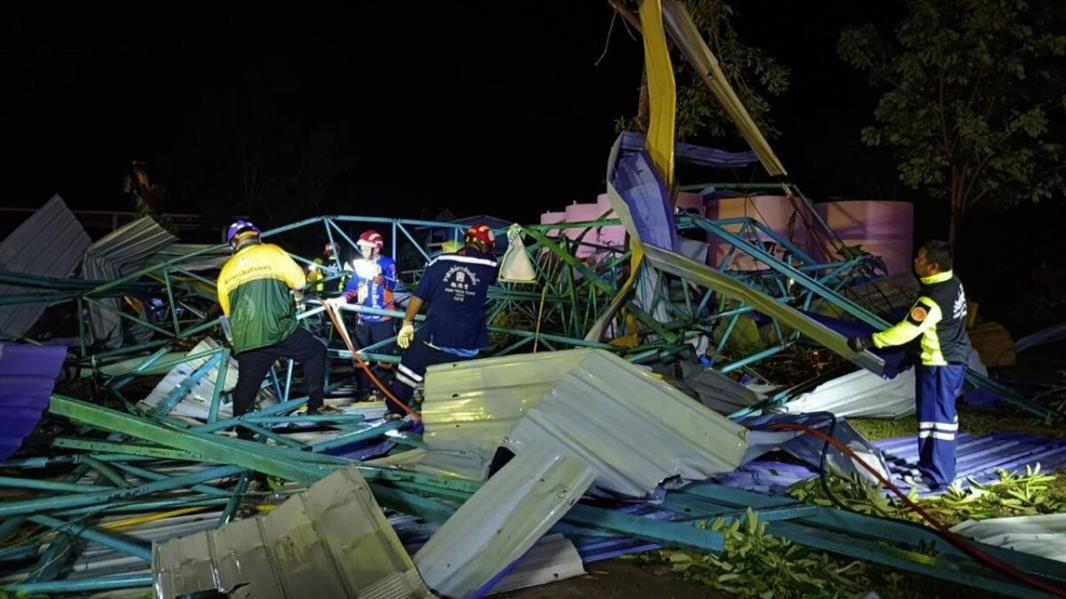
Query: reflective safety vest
x=939, y=316
x=254, y=292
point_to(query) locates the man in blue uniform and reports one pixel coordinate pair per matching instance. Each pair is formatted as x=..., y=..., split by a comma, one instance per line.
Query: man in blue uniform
x=939, y=317
x=371, y=286
x=454, y=288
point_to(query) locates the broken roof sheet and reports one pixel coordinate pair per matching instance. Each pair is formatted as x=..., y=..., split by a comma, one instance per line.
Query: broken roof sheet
x=27, y=375
x=1043, y=535
x=329, y=541
x=49, y=243
x=119, y=253
x=634, y=429
x=470, y=406
x=860, y=393
x=502, y=520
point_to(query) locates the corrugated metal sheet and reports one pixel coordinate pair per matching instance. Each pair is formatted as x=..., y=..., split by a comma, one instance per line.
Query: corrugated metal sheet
x=1043, y=535
x=207, y=261
x=50, y=243
x=978, y=458
x=500, y=522
x=716, y=390
x=329, y=541
x=27, y=375
x=119, y=253
x=197, y=401
x=470, y=406
x=634, y=429
x=553, y=558
x=861, y=393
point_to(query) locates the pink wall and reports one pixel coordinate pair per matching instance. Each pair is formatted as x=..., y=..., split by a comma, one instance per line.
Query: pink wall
x=774, y=211
x=885, y=229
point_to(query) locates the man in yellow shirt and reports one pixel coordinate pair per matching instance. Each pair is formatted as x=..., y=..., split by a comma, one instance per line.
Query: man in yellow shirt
x=256, y=289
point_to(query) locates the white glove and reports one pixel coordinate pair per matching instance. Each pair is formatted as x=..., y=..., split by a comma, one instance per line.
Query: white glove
x=407, y=333
x=338, y=301
x=362, y=293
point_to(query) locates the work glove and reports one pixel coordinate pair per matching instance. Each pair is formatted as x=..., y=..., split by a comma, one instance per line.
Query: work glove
x=860, y=344
x=364, y=291
x=336, y=302
x=407, y=334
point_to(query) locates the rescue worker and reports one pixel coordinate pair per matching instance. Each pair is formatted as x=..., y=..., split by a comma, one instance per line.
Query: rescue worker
x=939, y=317
x=371, y=285
x=455, y=289
x=256, y=290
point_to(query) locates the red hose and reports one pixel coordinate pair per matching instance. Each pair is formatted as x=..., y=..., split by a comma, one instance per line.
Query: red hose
x=954, y=538
x=339, y=326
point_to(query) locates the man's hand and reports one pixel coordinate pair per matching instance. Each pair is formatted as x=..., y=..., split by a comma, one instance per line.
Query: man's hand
x=363, y=292
x=860, y=344
x=336, y=302
x=407, y=334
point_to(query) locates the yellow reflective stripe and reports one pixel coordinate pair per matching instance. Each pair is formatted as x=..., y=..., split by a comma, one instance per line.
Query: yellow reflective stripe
x=939, y=277
x=254, y=263
x=896, y=335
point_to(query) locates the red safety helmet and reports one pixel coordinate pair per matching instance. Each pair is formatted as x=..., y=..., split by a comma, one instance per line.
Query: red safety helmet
x=480, y=235
x=372, y=239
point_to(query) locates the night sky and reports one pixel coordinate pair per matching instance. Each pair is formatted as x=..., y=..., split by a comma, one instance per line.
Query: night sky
x=489, y=108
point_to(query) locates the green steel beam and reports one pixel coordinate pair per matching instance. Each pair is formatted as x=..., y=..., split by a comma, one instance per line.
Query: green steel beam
x=226, y=451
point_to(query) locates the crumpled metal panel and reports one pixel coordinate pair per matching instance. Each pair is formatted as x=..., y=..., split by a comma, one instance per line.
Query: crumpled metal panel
x=716, y=390
x=119, y=253
x=860, y=393
x=553, y=558
x=329, y=541
x=634, y=429
x=1043, y=535
x=500, y=522
x=470, y=406
x=49, y=243
x=27, y=375
x=196, y=403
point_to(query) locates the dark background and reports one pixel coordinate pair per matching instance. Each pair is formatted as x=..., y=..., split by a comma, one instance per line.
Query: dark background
x=495, y=108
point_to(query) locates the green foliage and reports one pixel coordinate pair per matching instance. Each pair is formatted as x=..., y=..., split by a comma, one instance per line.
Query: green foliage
x=974, y=98
x=755, y=564
x=1028, y=494
x=755, y=76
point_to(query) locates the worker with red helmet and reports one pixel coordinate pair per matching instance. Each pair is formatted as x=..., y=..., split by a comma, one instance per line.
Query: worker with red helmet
x=255, y=289
x=371, y=286
x=454, y=288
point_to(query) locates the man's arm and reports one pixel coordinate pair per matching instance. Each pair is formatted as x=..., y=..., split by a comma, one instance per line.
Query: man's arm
x=407, y=331
x=414, y=305
x=921, y=317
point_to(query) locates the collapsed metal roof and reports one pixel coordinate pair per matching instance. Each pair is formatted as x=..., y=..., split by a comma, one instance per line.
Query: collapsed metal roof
x=50, y=243
x=119, y=253
x=329, y=541
x=27, y=376
x=634, y=429
x=502, y=521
